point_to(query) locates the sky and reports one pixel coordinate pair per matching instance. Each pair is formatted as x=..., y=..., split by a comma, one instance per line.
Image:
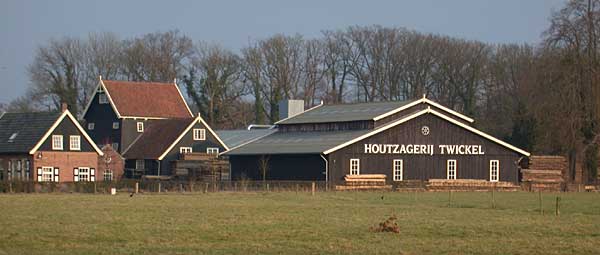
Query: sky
x=27, y=24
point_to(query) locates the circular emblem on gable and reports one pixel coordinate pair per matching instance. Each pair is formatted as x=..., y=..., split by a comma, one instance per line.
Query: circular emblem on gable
x=425, y=130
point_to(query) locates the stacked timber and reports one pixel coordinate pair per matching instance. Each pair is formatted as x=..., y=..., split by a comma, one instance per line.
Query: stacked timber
x=364, y=182
x=410, y=185
x=545, y=173
x=469, y=185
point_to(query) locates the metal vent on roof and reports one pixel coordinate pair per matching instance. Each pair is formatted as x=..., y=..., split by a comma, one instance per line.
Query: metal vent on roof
x=12, y=137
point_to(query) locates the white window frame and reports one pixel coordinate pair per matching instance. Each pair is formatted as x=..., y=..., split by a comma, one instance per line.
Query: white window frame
x=184, y=150
x=199, y=134
x=75, y=143
x=91, y=126
x=140, y=164
x=212, y=150
x=398, y=169
x=354, y=166
x=494, y=170
x=47, y=174
x=107, y=175
x=115, y=125
x=451, y=169
x=140, y=127
x=84, y=174
x=102, y=98
x=57, y=142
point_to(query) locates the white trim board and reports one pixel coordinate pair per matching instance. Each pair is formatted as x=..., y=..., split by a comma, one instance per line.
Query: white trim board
x=424, y=100
x=417, y=114
x=66, y=113
x=315, y=107
x=196, y=120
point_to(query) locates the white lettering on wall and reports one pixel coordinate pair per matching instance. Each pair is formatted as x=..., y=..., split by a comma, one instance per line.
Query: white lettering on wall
x=423, y=149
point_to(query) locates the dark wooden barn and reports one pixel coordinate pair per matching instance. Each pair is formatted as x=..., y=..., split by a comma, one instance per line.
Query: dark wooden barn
x=411, y=140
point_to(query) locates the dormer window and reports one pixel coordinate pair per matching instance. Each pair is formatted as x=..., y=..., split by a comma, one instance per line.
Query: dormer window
x=140, y=127
x=115, y=125
x=102, y=99
x=12, y=137
x=91, y=126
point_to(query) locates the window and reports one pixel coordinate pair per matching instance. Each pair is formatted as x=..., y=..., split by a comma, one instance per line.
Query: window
x=140, y=127
x=115, y=146
x=27, y=169
x=12, y=137
x=451, y=169
x=184, y=150
x=354, y=166
x=102, y=99
x=57, y=142
x=199, y=134
x=139, y=164
x=75, y=143
x=81, y=174
x=212, y=150
x=91, y=126
x=108, y=175
x=115, y=125
x=494, y=170
x=46, y=174
x=397, y=170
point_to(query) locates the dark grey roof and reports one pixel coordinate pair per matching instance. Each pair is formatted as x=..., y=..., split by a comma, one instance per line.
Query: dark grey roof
x=297, y=142
x=233, y=138
x=345, y=112
x=29, y=127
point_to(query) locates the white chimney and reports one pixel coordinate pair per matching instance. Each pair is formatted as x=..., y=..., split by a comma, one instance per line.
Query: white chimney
x=290, y=108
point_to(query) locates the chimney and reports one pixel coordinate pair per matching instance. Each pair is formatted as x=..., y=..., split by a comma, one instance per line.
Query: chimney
x=64, y=107
x=290, y=108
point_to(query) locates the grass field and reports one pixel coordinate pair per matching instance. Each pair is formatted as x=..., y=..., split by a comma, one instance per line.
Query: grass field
x=297, y=223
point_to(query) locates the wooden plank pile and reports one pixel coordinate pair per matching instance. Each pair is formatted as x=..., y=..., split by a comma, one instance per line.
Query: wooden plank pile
x=545, y=173
x=364, y=182
x=410, y=185
x=469, y=185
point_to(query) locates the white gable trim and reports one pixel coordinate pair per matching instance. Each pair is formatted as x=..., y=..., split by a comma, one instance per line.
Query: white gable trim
x=197, y=120
x=321, y=104
x=247, y=142
x=424, y=101
x=112, y=103
x=182, y=98
x=417, y=114
x=66, y=113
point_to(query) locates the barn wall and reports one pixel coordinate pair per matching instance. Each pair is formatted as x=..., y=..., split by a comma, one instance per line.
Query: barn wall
x=310, y=167
x=423, y=167
x=102, y=115
x=67, y=128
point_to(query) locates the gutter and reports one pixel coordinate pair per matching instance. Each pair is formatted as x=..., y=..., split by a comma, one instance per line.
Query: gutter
x=326, y=169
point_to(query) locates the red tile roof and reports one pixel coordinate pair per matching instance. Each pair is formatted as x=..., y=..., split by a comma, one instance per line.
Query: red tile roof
x=147, y=99
x=157, y=137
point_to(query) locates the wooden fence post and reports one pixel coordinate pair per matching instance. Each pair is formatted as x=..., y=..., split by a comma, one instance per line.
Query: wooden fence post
x=541, y=203
x=137, y=187
x=267, y=187
x=181, y=187
x=158, y=187
x=206, y=187
x=557, y=206
x=313, y=189
x=494, y=197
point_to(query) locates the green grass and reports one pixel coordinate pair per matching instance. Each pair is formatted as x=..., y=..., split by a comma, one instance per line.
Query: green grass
x=290, y=223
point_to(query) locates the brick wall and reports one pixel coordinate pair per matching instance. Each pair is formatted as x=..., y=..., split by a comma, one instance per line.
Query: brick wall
x=111, y=160
x=66, y=161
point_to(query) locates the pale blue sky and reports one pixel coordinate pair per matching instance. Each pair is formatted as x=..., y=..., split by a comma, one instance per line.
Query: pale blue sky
x=26, y=24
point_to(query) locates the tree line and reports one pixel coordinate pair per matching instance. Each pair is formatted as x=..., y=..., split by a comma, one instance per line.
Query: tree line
x=542, y=97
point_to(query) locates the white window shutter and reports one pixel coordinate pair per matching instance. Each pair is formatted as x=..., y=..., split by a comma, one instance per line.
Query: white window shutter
x=92, y=171
x=39, y=178
x=56, y=178
x=75, y=171
x=93, y=178
x=56, y=174
x=39, y=171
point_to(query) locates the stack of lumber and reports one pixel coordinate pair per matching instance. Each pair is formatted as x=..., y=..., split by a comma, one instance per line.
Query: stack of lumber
x=545, y=173
x=469, y=185
x=410, y=185
x=364, y=182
